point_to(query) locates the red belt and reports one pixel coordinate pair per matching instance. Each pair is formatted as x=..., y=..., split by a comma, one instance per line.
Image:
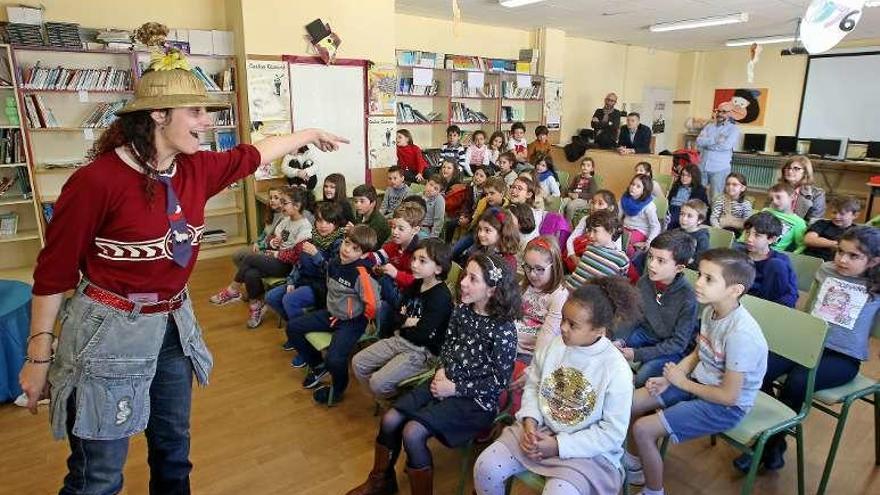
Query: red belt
x=115, y=301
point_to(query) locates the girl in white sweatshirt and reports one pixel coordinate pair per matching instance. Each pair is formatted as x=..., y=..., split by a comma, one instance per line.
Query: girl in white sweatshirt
x=576, y=403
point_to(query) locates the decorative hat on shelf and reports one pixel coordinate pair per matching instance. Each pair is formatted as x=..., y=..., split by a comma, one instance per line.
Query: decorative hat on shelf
x=169, y=81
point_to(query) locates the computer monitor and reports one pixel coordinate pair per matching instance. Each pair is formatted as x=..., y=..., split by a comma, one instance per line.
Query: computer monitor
x=754, y=143
x=873, y=150
x=785, y=144
x=825, y=147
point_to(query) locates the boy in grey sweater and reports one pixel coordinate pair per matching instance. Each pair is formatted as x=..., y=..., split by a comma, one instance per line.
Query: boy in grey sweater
x=395, y=192
x=435, y=206
x=669, y=305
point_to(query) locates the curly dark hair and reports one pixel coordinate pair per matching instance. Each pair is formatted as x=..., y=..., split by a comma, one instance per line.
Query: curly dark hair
x=137, y=130
x=506, y=302
x=613, y=302
x=867, y=240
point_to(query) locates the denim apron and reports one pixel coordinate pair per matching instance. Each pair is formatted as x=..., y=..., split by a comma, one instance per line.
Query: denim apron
x=108, y=356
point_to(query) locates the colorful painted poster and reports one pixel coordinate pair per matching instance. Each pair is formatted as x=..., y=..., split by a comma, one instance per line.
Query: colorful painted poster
x=553, y=103
x=268, y=91
x=383, y=83
x=381, y=132
x=839, y=302
x=748, y=105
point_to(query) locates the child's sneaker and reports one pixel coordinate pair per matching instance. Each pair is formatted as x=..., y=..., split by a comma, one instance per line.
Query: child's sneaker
x=313, y=379
x=225, y=296
x=322, y=395
x=288, y=346
x=298, y=362
x=256, y=314
x=636, y=477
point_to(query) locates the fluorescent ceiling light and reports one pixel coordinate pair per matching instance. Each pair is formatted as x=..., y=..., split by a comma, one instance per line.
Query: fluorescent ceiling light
x=700, y=23
x=872, y=4
x=517, y=3
x=765, y=40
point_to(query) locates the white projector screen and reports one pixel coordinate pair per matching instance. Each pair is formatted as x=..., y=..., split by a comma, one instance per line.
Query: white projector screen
x=842, y=97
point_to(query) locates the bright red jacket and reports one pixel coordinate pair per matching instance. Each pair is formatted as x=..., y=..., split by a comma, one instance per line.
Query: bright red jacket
x=410, y=158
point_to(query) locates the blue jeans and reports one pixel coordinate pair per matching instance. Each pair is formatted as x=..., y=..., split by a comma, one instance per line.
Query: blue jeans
x=461, y=246
x=346, y=334
x=389, y=306
x=290, y=304
x=95, y=466
x=716, y=181
x=652, y=367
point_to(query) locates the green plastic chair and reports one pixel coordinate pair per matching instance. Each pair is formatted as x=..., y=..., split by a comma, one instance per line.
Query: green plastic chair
x=599, y=181
x=321, y=341
x=452, y=279
x=665, y=181
x=662, y=205
x=564, y=178
x=720, y=238
x=416, y=188
x=860, y=388
x=794, y=335
x=805, y=267
x=552, y=203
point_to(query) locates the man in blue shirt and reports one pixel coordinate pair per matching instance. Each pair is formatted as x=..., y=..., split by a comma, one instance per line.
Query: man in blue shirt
x=715, y=143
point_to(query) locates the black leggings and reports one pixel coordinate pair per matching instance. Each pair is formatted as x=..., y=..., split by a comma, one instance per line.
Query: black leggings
x=397, y=428
x=256, y=266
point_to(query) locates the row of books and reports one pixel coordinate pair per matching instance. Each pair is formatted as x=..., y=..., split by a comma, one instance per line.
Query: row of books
x=509, y=89
x=11, y=146
x=406, y=114
x=38, y=114
x=103, y=115
x=405, y=86
x=15, y=184
x=415, y=58
x=214, y=236
x=222, y=81
x=224, y=117
x=461, y=113
x=76, y=79
x=463, y=62
x=461, y=88
x=225, y=140
x=511, y=114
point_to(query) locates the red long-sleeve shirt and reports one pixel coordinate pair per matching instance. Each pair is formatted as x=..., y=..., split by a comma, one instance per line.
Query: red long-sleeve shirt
x=104, y=227
x=410, y=158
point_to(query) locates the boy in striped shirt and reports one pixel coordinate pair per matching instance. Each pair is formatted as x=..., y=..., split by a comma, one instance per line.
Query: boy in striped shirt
x=602, y=257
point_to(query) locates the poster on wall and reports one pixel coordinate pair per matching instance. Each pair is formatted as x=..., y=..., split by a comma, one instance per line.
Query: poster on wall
x=261, y=130
x=656, y=113
x=381, y=134
x=749, y=105
x=383, y=83
x=553, y=103
x=268, y=91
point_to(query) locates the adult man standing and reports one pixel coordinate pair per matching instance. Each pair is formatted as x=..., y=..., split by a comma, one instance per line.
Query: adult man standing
x=715, y=143
x=634, y=136
x=605, y=122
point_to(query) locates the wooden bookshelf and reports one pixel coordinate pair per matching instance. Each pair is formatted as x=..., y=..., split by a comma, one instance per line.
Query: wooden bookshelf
x=70, y=141
x=18, y=252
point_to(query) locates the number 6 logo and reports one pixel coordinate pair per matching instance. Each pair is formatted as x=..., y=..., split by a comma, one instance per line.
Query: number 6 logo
x=847, y=24
x=827, y=22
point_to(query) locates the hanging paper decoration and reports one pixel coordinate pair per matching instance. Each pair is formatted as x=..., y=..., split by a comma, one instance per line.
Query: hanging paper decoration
x=754, y=55
x=456, y=17
x=827, y=22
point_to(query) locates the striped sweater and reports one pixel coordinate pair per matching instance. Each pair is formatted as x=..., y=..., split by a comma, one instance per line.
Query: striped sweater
x=456, y=154
x=597, y=261
x=723, y=206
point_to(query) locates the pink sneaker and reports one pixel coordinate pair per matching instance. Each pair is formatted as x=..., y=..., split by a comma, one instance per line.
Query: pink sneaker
x=256, y=314
x=225, y=296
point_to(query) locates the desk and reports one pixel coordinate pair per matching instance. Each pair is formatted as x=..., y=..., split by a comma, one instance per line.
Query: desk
x=15, y=318
x=616, y=170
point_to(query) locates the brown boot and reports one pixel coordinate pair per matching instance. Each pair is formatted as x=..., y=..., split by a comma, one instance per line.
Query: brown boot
x=421, y=481
x=382, y=479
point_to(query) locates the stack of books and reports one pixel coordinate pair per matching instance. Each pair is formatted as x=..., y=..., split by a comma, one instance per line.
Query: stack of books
x=11, y=146
x=462, y=114
x=70, y=79
x=405, y=86
x=208, y=81
x=501, y=65
x=224, y=140
x=511, y=114
x=462, y=62
x=115, y=39
x=39, y=116
x=63, y=35
x=215, y=236
x=406, y=114
x=461, y=88
x=224, y=117
x=509, y=89
x=103, y=115
x=25, y=34
x=225, y=80
x=415, y=58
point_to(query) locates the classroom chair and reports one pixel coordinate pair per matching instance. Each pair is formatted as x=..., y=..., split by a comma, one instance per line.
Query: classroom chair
x=720, y=238
x=564, y=178
x=271, y=283
x=535, y=482
x=552, y=203
x=799, y=337
x=321, y=341
x=805, y=267
x=662, y=205
x=599, y=181
x=860, y=388
x=452, y=280
x=665, y=181
x=416, y=188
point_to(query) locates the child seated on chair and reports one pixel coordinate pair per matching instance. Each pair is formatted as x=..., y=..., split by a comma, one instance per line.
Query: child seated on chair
x=419, y=329
x=711, y=390
x=352, y=296
x=393, y=261
x=435, y=211
x=691, y=221
x=367, y=212
x=476, y=362
x=730, y=210
x=794, y=227
x=395, y=192
x=775, y=278
x=601, y=255
x=846, y=297
x=576, y=402
x=822, y=236
x=670, y=311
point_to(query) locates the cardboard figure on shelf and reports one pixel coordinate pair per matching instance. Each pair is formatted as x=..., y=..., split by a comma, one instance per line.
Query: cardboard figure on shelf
x=323, y=40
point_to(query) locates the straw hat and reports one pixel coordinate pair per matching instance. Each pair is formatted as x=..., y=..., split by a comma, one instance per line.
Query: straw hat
x=168, y=82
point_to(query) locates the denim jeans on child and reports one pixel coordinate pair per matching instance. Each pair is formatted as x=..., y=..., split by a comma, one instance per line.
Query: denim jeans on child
x=653, y=367
x=346, y=334
x=290, y=305
x=389, y=306
x=95, y=466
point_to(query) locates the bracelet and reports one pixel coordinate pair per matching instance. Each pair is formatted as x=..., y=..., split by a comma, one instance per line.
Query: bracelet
x=31, y=337
x=31, y=360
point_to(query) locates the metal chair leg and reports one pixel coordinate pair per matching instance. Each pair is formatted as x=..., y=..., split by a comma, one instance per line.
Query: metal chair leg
x=757, y=452
x=835, y=442
x=799, y=437
x=877, y=428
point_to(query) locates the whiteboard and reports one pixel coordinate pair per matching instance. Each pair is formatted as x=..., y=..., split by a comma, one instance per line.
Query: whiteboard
x=841, y=98
x=331, y=97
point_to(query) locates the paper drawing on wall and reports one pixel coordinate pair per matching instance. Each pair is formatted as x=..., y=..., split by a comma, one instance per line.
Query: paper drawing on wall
x=838, y=302
x=383, y=84
x=747, y=105
x=268, y=91
x=382, y=148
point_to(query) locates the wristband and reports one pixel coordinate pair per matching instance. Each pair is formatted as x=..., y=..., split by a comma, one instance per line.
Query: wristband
x=31, y=360
x=31, y=337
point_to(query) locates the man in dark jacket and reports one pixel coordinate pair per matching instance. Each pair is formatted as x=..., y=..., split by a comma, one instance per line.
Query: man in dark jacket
x=634, y=136
x=605, y=122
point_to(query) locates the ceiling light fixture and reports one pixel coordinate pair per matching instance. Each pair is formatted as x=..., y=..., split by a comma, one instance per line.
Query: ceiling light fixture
x=517, y=3
x=872, y=4
x=764, y=40
x=700, y=23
